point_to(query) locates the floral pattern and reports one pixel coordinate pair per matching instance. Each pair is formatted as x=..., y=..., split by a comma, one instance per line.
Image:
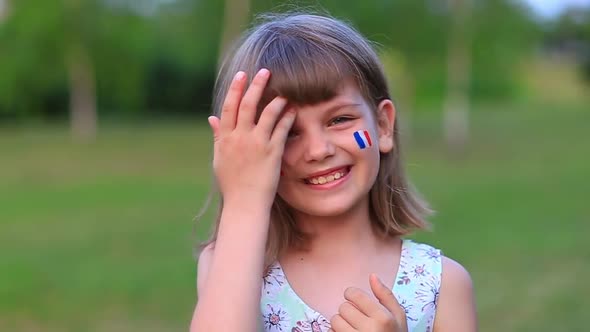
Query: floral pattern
x=315, y=324
x=416, y=289
x=275, y=319
x=273, y=281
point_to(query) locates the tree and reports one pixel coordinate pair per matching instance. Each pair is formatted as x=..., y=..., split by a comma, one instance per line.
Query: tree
x=235, y=19
x=54, y=46
x=80, y=69
x=569, y=35
x=456, y=107
x=4, y=9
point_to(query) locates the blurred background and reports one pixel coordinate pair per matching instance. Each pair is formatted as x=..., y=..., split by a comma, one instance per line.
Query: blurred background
x=105, y=151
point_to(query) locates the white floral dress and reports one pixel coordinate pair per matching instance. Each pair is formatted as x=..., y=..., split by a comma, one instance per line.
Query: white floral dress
x=416, y=288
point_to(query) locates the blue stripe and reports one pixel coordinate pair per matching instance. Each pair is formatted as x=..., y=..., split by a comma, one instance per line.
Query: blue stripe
x=359, y=140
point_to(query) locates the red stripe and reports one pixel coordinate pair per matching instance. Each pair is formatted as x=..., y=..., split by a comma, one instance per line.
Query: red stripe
x=368, y=137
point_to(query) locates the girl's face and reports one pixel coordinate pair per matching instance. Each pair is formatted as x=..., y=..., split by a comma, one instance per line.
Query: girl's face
x=324, y=170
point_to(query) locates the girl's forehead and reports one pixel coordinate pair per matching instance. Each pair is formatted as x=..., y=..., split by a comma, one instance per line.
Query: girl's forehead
x=347, y=94
x=331, y=108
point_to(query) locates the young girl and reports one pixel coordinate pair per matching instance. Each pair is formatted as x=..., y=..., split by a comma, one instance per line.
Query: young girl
x=314, y=198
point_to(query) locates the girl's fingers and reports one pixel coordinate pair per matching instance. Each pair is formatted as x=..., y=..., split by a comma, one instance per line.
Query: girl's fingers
x=352, y=315
x=229, y=109
x=362, y=301
x=249, y=104
x=386, y=297
x=281, y=130
x=339, y=324
x=270, y=115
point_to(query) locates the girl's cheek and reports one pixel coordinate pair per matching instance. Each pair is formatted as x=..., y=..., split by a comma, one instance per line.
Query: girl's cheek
x=291, y=149
x=287, y=159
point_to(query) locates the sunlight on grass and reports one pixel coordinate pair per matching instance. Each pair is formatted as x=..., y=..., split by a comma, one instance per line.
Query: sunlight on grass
x=100, y=236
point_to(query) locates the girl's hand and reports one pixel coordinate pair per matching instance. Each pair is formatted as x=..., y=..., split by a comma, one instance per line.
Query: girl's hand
x=362, y=313
x=247, y=156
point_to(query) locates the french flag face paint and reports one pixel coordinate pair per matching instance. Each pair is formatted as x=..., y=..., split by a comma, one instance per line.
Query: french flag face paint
x=362, y=138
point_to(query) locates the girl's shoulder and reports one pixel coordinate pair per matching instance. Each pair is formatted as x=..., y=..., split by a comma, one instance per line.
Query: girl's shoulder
x=439, y=282
x=415, y=253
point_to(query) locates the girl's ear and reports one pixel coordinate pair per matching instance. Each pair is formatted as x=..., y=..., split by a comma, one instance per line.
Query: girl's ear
x=385, y=125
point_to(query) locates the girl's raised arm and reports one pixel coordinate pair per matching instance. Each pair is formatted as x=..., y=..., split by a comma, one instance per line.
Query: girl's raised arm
x=247, y=161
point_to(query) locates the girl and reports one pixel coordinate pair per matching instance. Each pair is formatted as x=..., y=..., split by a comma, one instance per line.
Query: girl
x=314, y=197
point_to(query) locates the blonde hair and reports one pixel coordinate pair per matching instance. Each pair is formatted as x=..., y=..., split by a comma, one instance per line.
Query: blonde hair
x=309, y=57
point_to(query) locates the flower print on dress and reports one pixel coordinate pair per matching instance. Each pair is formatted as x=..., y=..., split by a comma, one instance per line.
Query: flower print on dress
x=407, y=308
x=273, y=280
x=275, y=319
x=404, y=279
x=427, y=293
x=317, y=324
x=431, y=253
x=404, y=256
x=419, y=271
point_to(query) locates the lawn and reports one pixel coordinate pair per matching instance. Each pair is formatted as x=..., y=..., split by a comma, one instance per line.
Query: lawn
x=99, y=237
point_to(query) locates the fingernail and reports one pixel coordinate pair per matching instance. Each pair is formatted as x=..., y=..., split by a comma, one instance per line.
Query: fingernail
x=239, y=76
x=264, y=72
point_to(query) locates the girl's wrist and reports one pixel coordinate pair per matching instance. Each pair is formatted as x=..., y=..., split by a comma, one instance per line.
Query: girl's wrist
x=244, y=221
x=247, y=207
x=248, y=202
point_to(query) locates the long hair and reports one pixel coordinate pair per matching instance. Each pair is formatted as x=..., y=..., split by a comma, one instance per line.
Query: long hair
x=309, y=57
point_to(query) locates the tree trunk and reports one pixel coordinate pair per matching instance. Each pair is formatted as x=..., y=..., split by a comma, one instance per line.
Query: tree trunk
x=4, y=9
x=456, y=108
x=83, y=118
x=409, y=108
x=235, y=20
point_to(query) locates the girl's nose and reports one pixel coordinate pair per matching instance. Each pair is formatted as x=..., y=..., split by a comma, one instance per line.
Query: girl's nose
x=318, y=147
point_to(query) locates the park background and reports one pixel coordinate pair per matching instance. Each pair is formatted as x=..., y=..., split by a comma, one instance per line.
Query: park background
x=105, y=151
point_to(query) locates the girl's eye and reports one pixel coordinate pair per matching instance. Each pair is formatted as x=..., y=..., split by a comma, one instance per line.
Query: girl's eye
x=340, y=119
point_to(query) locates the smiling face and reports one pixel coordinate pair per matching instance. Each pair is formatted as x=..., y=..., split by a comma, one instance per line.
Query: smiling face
x=325, y=171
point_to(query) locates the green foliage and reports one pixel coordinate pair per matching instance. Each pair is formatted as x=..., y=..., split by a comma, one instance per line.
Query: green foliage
x=164, y=58
x=500, y=35
x=504, y=35
x=38, y=37
x=29, y=61
x=570, y=33
x=130, y=52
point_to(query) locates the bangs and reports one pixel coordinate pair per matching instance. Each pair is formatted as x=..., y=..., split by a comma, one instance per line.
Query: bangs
x=303, y=71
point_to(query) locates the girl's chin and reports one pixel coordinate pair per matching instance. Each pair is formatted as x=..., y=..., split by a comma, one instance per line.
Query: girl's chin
x=322, y=210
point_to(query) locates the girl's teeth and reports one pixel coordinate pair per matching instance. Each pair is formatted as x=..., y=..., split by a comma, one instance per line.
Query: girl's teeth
x=329, y=178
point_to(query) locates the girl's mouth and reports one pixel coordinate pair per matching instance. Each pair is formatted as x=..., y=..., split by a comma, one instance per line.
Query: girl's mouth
x=330, y=177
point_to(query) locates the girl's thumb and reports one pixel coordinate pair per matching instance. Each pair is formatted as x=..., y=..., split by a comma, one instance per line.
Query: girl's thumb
x=385, y=296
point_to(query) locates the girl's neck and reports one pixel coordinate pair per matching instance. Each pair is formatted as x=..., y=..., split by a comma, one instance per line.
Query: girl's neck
x=344, y=235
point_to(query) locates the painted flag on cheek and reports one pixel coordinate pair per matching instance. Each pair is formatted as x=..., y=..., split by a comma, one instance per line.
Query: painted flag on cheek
x=362, y=138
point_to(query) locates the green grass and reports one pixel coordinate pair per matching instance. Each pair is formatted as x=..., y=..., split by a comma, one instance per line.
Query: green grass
x=98, y=237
